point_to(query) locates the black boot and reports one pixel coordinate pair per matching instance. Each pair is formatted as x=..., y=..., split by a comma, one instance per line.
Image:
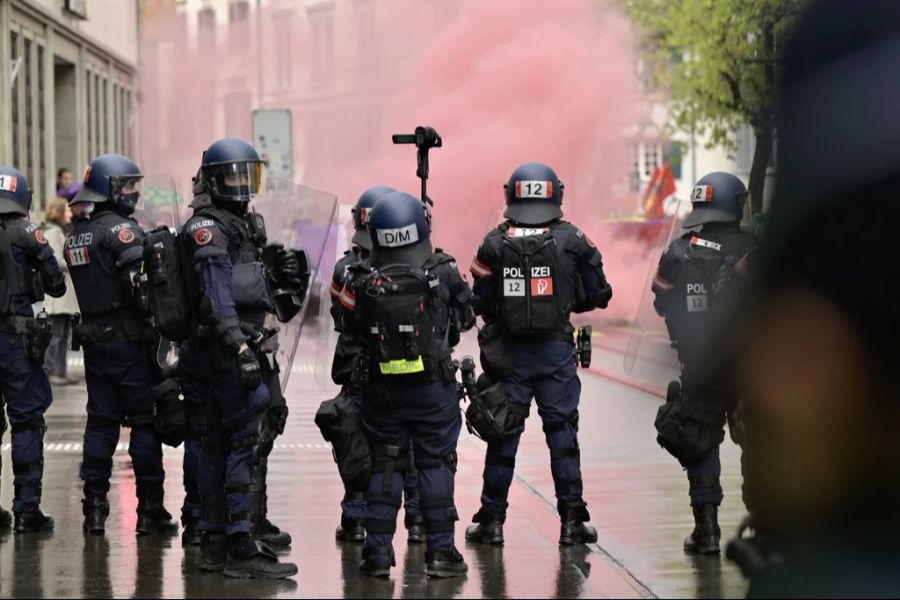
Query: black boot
x=351, y=530
x=572, y=531
x=190, y=535
x=445, y=563
x=249, y=559
x=95, y=510
x=32, y=521
x=213, y=550
x=5, y=518
x=377, y=561
x=576, y=532
x=152, y=516
x=415, y=529
x=705, y=537
x=488, y=528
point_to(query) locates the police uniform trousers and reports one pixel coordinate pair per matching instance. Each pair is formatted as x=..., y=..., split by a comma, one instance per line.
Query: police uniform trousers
x=120, y=381
x=544, y=371
x=28, y=396
x=194, y=380
x=226, y=451
x=425, y=416
x=711, y=397
x=353, y=505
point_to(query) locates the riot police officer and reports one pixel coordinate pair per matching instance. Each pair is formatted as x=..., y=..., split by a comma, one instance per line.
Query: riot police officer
x=223, y=242
x=27, y=270
x=353, y=506
x=530, y=273
x=406, y=309
x=690, y=288
x=104, y=255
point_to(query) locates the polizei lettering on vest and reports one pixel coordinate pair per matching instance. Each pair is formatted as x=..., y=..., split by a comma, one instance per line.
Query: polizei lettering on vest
x=82, y=239
x=403, y=236
x=519, y=273
x=696, y=288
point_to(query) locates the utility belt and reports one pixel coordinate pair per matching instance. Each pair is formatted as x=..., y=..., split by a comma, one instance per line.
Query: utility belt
x=425, y=369
x=35, y=331
x=85, y=334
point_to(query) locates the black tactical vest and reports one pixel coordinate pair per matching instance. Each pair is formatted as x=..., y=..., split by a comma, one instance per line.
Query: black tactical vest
x=99, y=283
x=246, y=239
x=533, y=294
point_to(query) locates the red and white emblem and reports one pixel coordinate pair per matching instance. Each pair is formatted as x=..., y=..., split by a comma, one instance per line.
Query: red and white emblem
x=203, y=236
x=126, y=236
x=39, y=236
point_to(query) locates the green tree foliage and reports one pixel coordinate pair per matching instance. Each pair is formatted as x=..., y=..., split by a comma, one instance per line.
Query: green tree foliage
x=718, y=62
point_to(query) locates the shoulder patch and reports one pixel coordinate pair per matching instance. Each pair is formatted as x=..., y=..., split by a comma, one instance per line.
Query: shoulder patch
x=126, y=236
x=203, y=236
x=39, y=237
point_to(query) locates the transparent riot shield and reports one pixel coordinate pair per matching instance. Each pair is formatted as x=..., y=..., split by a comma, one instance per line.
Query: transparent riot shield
x=301, y=218
x=327, y=335
x=648, y=345
x=160, y=206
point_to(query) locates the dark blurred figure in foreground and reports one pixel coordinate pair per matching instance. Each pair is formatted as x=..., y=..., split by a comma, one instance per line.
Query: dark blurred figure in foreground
x=819, y=344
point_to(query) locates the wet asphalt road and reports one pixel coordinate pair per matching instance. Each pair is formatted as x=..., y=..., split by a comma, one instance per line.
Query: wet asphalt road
x=636, y=493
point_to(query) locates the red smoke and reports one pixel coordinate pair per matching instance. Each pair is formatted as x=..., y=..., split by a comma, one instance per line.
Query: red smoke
x=504, y=82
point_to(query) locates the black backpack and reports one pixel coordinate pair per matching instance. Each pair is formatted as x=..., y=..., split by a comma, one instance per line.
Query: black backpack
x=528, y=284
x=170, y=303
x=401, y=313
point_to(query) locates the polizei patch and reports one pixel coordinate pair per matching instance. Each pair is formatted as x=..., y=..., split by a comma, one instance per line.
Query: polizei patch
x=393, y=238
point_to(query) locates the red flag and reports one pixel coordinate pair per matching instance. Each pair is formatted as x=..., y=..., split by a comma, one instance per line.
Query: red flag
x=660, y=187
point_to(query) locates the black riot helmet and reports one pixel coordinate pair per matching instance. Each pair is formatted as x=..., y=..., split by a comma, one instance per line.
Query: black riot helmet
x=15, y=194
x=716, y=198
x=112, y=179
x=361, y=211
x=232, y=171
x=533, y=195
x=400, y=227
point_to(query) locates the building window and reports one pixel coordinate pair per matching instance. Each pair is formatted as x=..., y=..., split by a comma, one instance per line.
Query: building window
x=88, y=104
x=652, y=157
x=321, y=20
x=14, y=96
x=366, y=38
x=98, y=117
x=206, y=28
x=283, y=34
x=238, y=11
x=42, y=118
x=28, y=163
x=129, y=137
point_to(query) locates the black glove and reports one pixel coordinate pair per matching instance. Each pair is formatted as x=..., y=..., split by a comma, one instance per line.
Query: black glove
x=278, y=418
x=251, y=376
x=288, y=267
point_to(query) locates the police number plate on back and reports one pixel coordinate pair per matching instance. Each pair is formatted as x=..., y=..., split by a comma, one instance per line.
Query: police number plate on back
x=697, y=303
x=513, y=287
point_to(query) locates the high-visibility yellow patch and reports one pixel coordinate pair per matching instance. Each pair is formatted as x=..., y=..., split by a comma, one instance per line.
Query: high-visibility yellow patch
x=402, y=367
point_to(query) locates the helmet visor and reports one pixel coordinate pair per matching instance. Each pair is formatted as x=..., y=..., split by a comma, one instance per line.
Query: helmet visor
x=126, y=190
x=238, y=181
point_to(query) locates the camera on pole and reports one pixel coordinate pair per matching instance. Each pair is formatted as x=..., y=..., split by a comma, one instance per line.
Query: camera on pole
x=425, y=138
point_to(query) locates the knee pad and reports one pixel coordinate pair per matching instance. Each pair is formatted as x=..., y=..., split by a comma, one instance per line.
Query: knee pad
x=38, y=424
x=433, y=462
x=447, y=515
x=554, y=426
x=97, y=424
